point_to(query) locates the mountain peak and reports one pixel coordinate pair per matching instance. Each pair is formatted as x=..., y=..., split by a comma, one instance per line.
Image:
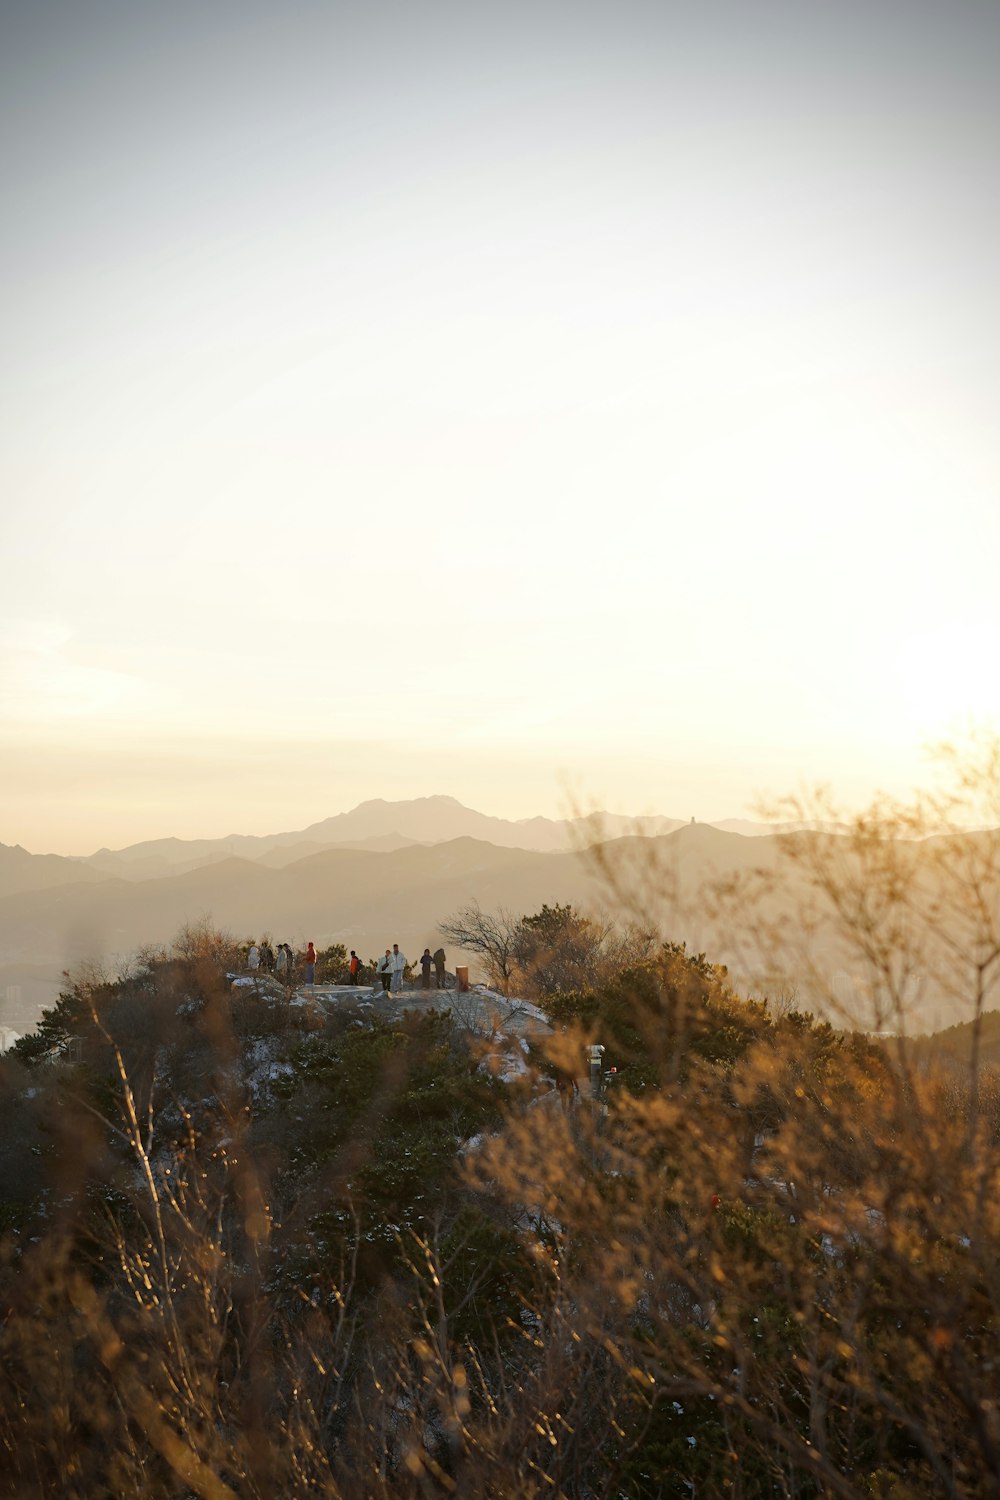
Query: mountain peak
x=437, y=799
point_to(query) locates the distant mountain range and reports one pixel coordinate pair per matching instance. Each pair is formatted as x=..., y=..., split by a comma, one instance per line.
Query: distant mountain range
x=364, y=897
x=385, y=872
x=375, y=825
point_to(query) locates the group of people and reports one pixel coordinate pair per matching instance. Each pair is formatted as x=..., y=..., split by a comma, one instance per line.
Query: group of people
x=262, y=958
x=391, y=968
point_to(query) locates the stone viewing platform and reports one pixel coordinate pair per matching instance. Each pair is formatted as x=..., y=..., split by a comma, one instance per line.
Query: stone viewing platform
x=481, y=1009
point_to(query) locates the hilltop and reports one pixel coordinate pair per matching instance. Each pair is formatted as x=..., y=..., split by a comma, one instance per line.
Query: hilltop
x=265, y=1245
x=741, y=897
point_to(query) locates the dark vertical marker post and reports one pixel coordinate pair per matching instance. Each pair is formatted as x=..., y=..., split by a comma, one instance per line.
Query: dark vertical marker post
x=595, y=1053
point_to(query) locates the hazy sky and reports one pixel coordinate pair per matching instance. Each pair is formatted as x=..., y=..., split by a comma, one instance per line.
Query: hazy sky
x=490, y=399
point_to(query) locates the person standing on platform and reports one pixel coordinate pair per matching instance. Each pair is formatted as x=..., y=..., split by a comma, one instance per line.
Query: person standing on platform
x=425, y=969
x=354, y=966
x=439, y=968
x=385, y=971
x=398, y=965
x=310, y=965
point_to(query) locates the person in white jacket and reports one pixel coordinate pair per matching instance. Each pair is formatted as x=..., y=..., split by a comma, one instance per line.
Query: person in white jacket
x=398, y=965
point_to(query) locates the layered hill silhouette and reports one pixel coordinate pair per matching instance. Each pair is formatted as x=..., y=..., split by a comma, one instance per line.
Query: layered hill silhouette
x=370, y=887
x=366, y=898
x=375, y=824
x=21, y=871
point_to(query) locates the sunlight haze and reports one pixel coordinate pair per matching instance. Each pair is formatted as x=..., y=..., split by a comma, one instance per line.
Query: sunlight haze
x=533, y=404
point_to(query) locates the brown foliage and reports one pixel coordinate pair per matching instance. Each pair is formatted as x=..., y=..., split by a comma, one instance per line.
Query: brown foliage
x=766, y=1266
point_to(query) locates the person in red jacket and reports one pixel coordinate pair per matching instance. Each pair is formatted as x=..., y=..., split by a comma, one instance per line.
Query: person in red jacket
x=354, y=966
x=310, y=965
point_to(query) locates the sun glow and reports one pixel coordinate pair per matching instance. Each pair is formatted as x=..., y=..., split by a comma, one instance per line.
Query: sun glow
x=608, y=393
x=947, y=679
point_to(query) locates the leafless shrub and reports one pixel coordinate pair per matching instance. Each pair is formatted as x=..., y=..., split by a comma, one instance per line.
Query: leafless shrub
x=765, y=1263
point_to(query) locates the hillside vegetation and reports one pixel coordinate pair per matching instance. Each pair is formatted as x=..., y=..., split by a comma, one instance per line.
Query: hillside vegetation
x=254, y=1249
